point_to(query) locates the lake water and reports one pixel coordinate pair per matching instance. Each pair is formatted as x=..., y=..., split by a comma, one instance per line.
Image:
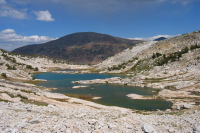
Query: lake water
x=112, y=95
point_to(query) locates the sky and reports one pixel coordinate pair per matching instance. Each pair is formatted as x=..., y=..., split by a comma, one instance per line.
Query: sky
x=24, y=22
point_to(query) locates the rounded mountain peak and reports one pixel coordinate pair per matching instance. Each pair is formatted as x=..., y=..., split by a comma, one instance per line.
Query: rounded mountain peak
x=81, y=38
x=80, y=48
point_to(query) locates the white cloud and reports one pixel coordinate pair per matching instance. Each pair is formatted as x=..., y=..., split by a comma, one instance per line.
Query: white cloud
x=151, y=38
x=10, y=40
x=44, y=16
x=8, y=31
x=8, y=11
x=13, y=14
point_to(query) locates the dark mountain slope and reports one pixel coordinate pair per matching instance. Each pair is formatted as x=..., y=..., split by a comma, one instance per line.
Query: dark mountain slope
x=79, y=48
x=160, y=39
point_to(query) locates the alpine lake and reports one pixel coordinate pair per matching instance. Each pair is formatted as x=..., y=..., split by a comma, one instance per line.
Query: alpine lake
x=110, y=94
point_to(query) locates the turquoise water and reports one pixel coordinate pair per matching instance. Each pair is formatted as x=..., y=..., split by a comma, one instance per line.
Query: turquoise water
x=112, y=95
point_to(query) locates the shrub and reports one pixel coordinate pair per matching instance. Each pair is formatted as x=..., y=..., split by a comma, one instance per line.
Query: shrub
x=119, y=67
x=36, y=69
x=192, y=47
x=153, y=56
x=14, y=68
x=171, y=57
x=156, y=55
x=185, y=50
x=29, y=67
x=9, y=67
x=4, y=75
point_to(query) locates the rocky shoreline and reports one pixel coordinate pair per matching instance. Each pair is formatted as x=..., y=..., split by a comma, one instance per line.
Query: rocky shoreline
x=181, y=92
x=61, y=113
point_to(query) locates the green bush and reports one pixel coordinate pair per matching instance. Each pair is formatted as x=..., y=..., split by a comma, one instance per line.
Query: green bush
x=4, y=75
x=36, y=69
x=171, y=57
x=119, y=67
x=185, y=50
x=29, y=67
x=9, y=67
x=192, y=47
x=156, y=55
x=14, y=68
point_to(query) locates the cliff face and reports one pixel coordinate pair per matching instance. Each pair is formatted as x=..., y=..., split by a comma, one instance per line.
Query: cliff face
x=80, y=48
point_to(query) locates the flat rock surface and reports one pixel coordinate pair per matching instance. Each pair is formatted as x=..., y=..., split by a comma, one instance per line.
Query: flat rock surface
x=136, y=96
x=20, y=117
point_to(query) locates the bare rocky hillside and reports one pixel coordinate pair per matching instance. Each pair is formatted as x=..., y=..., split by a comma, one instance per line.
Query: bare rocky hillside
x=21, y=67
x=179, y=53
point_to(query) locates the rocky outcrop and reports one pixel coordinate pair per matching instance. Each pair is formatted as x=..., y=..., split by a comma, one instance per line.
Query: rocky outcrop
x=116, y=80
x=6, y=97
x=136, y=96
x=128, y=56
x=147, y=128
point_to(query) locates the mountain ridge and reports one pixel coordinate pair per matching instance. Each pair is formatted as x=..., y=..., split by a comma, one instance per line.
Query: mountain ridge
x=80, y=47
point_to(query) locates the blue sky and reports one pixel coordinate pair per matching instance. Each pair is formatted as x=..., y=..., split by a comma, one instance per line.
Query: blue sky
x=25, y=22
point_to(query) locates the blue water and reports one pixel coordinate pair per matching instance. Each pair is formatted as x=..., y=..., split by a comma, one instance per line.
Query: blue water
x=112, y=95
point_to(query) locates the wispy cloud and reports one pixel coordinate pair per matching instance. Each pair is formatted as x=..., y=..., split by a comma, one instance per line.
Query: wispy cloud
x=44, y=15
x=8, y=11
x=12, y=10
x=10, y=40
